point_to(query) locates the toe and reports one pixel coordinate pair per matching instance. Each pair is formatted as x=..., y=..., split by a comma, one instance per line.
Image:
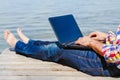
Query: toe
x=6, y=34
x=18, y=29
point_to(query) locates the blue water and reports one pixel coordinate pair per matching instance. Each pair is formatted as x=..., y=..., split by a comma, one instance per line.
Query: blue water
x=32, y=16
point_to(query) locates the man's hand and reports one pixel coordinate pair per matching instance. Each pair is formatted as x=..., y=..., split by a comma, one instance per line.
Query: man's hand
x=94, y=44
x=97, y=35
x=83, y=41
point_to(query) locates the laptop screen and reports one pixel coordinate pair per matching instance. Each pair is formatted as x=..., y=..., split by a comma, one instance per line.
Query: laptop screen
x=65, y=28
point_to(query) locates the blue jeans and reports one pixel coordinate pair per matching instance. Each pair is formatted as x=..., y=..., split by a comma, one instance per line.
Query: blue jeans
x=86, y=61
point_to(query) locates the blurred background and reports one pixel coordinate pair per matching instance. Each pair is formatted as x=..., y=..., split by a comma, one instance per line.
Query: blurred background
x=32, y=16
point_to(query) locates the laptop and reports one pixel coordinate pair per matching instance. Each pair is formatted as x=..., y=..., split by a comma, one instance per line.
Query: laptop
x=67, y=31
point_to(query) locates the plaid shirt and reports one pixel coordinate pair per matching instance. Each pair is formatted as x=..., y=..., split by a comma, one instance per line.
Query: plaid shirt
x=111, y=50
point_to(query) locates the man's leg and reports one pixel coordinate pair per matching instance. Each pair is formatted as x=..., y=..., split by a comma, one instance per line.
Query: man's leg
x=37, y=49
x=85, y=61
x=43, y=50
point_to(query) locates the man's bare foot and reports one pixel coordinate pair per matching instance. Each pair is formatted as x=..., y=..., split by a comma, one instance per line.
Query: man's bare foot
x=24, y=38
x=10, y=38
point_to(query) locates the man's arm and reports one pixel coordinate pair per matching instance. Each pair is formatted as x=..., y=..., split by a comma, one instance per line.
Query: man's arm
x=96, y=46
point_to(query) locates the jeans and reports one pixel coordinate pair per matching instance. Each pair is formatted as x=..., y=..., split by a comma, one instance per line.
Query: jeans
x=86, y=61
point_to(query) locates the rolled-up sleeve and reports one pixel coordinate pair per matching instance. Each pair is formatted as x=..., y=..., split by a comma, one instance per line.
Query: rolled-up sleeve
x=111, y=50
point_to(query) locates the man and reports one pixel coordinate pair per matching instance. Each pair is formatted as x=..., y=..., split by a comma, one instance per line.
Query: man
x=88, y=61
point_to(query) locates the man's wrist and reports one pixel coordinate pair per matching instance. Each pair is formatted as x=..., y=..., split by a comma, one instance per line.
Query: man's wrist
x=90, y=42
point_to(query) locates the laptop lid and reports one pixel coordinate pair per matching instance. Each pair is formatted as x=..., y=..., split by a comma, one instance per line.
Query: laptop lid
x=65, y=28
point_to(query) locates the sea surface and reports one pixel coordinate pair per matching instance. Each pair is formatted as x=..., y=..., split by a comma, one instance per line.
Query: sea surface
x=32, y=16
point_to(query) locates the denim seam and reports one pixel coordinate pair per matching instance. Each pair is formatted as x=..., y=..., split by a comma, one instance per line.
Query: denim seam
x=94, y=69
x=87, y=58
x=102, y=71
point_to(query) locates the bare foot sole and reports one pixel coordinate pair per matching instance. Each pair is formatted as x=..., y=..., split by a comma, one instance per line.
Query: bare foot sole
x=24, y=38
x=10, y=38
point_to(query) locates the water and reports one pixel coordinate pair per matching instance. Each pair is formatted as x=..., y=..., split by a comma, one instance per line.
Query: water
x=32, y=16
